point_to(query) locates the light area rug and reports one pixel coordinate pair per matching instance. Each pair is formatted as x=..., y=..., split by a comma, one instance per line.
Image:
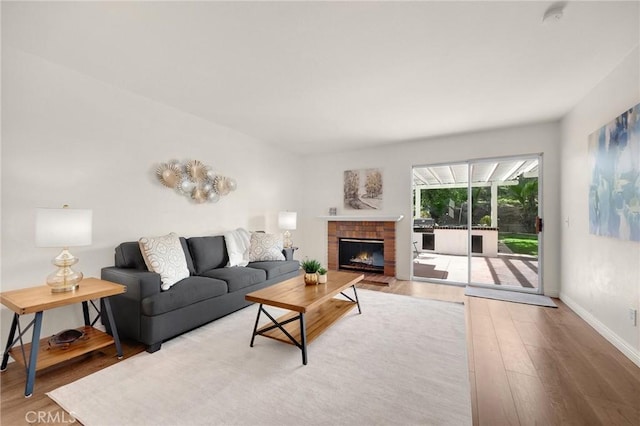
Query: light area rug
x=510, y=296
x=403, y=361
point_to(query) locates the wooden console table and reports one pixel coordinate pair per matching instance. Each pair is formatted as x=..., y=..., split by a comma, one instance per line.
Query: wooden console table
x=35, y=300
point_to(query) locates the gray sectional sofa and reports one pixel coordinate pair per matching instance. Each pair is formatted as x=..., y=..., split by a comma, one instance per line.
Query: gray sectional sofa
x=149, y=315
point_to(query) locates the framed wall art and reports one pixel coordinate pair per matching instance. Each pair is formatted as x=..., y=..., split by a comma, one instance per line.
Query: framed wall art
x=614, y=190
x=363, y=189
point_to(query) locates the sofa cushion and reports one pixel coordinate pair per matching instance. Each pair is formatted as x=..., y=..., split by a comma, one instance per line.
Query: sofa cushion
x=165, y=256
x=265, y=247
x=183, y=293
x=208, y=253
x=187, y=256
x=128, y=255
x=238, y=278
x=276, y=268
x=237, y=243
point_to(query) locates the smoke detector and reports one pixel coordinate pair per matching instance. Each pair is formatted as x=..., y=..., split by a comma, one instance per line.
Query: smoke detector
x=553, y=14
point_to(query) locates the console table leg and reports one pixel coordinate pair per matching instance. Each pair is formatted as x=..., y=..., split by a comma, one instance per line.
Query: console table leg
x=85, y=313
x=12, y=333
x=112, y=325
x=303, y=339
x=33, y=356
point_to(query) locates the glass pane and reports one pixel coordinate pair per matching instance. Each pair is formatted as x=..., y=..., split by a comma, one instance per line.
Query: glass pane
x=439, y=223
x=504, y=241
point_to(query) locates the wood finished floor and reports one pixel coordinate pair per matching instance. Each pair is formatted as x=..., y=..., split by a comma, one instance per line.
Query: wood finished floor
x=527, y=365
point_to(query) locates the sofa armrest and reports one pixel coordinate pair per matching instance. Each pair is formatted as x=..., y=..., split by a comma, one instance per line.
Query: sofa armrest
x=140, y=284
x=288, y=252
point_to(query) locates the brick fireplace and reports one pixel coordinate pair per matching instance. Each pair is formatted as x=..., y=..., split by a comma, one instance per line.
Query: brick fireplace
x=367, y=230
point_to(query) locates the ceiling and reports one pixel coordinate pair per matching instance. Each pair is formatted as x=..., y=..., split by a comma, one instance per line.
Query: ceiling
x=327, y=76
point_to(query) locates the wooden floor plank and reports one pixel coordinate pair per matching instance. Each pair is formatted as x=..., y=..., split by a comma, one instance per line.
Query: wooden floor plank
x=569, y=405
x=474, y=398
x=494, y=399
x=532, y=402
x=482, y=325
x=531, y=335
x=614, y=414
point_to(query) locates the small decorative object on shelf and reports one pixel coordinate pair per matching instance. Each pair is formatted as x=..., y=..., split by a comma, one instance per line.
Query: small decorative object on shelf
x=333, y=211
x=195, y=180
x=311, y=267
x=65, y=338
x=322, y=275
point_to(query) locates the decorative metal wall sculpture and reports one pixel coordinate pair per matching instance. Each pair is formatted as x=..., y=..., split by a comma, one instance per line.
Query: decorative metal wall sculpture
x=195, y=180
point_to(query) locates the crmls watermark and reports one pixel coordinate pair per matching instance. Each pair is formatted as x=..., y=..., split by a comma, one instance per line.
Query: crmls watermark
x=43, y=417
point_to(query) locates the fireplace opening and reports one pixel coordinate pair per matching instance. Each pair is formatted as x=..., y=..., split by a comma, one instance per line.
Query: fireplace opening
x=361, y=255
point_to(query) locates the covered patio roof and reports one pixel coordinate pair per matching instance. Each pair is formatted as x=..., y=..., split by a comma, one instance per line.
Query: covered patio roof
x=482, y=173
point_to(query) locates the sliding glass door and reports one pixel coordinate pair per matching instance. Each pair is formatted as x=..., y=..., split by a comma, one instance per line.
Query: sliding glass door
x=478, y=223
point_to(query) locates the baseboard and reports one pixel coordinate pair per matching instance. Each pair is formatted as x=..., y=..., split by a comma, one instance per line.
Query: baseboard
x=630, y=352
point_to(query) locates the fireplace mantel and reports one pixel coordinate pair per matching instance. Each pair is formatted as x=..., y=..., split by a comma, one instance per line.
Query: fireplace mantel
x=362, y=218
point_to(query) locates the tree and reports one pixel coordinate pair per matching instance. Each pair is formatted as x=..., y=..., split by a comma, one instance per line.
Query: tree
x=436, y=202
x=373, y=184
x=525, y=194
x=351, y=184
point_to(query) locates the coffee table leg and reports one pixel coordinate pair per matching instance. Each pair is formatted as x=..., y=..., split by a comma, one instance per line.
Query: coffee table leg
x=355, y=293
x=255, y=327
x=303, y=338
x=33, y=357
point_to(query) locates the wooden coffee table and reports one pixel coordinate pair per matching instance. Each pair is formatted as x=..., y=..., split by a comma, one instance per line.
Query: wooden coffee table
x=313, y=308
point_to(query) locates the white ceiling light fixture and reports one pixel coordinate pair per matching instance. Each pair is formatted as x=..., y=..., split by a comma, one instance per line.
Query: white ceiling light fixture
x=554, y=13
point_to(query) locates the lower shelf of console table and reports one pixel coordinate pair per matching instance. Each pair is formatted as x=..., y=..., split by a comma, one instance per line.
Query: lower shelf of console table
x=92, y=340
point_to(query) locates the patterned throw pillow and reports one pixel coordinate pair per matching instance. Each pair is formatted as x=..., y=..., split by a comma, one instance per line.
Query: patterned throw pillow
x=165, y=256
x=265, y=247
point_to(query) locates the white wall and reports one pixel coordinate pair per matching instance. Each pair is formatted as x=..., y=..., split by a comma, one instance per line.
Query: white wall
x=69, y=139
x=600, y=275
x=324, y=184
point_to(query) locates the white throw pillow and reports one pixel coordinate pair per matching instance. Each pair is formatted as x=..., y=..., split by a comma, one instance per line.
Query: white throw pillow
x=238, y=243
x=265, y=247
x=164, y=255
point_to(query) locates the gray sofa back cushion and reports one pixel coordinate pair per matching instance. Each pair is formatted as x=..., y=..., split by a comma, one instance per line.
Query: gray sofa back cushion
x=208, y=253
x=128, y=255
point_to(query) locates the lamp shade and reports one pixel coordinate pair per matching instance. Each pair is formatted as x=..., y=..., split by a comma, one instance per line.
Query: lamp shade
x=287, y=220
x=63, y=227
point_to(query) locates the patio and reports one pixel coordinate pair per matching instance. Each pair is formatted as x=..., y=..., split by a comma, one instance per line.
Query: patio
x=506, y=269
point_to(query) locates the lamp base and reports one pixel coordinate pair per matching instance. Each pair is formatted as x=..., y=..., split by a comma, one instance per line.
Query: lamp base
x=287, y=239
x=64, y=279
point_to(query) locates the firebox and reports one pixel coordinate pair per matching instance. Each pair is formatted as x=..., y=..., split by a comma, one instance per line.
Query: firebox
x=361, y=255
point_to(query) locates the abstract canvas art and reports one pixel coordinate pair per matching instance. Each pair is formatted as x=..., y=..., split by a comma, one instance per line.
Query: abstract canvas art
x=614, y=191
x=363, y=189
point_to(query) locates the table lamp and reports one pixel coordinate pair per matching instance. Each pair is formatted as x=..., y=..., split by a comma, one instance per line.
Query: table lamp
x=64, y=228
x=287, y=221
